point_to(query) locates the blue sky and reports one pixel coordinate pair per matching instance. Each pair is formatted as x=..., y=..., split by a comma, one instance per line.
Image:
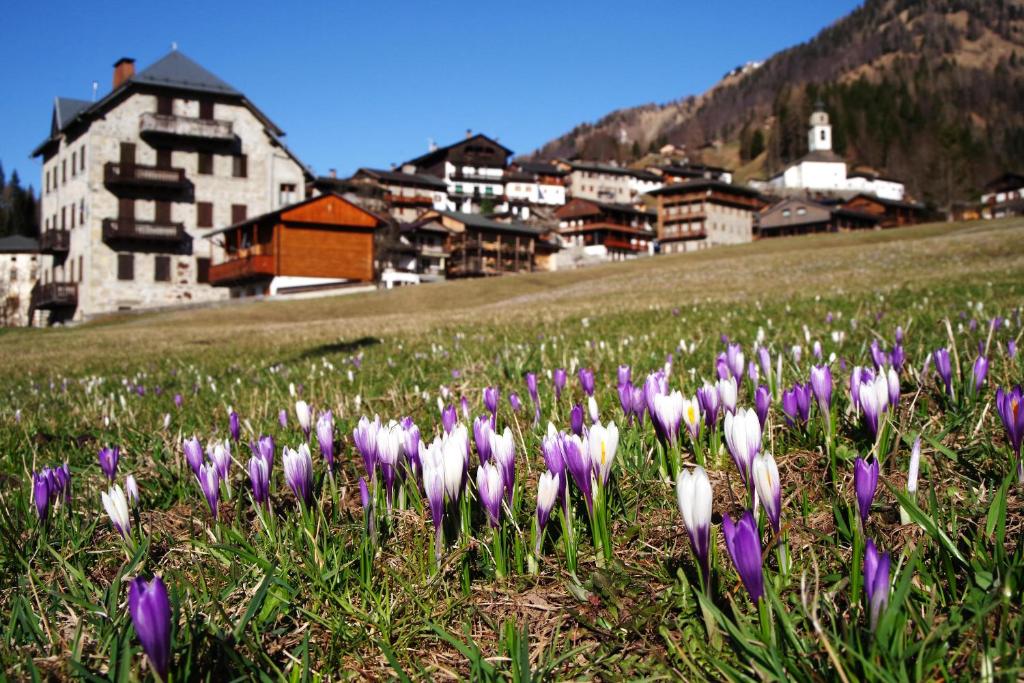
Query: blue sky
x=368, y=83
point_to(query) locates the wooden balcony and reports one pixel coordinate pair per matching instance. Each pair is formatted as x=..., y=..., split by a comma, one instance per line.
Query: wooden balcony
x=242, y=269
x=137, y=177
x=184, y=128
x=624, y=245
x=55, y=242
x=154, y=233
x=409, y=200
x=54, y=295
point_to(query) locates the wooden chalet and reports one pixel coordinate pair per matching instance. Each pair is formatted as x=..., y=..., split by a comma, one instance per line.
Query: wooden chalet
x=320, y=241
x=1003, y=196
x=890, y=212
x=625, y=231
x=803, y=216
x=478, y=246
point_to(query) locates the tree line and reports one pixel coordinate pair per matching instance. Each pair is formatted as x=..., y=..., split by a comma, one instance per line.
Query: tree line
x=19, y=214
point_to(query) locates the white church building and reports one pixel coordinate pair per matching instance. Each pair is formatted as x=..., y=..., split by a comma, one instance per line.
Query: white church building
x=822, y=170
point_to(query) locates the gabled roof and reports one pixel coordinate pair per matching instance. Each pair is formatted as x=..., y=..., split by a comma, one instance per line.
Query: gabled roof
x=475, y=220
x=434, y=154
x=1005, y=182
x=541, y=168
x=18, y=244
x=175, y=70
x=65, y=109
x=614, y=170
x=401, y=178
x=275, y=215
x=608, y=206
x=704, y=184
x=895, y=203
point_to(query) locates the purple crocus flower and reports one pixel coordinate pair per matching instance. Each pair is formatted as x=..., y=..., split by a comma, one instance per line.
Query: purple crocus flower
x=63, y=476
x=893, y=381
x=821, y=387
x=491, y=395
x=464, y=407
x=448, y=418
x=796, y=404
x=722, y=368
x=220, y=457
x=234, y=426
x=364, y=493
x=655, y=385
x=625, y=375
x=282, y=418
x=743, y=542
x=178, y=400
x=259, y=478
x=979, y=371
x=576, y=419
x=264, y=448
x=41, y=495
x=874, y=400
x=108, y=458
x=209, y=482
x=710, y=401
x=762, y=402
x=1010, y=405
x=193, y=454
x=878, y=356
x=577, y=461
x=865, y=481
x=490, y=487
x=411, y=443
x=298, y=472
x=764, y=359
x=626, y=399
x=752, y=374
x=549, y=487
x=899, y=357
x=325, y=437
x=743, y=437
x=876, y=582
x=558, y=378
x=639, y=404
x=736, y=362
x=1011, y=349
x=515, y=402
x=150, y=611
x=482, y=437
x=942, y=366
x=693, y=494
x=586, y=376
x=531, y=389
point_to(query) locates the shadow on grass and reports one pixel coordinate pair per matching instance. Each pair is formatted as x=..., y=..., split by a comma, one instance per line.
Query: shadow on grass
x=340, y=347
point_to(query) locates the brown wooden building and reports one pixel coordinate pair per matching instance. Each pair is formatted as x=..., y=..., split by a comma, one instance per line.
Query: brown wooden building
x=625, y=231
x=320, y=242
x=890, y=212
x=477, y=246
x=802, y=217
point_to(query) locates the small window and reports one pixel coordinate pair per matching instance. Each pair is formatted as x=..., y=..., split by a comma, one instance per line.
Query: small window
x=238, y=213
x=801, y=211
x=823, y=134
x=81, y=159
x=74, y=163
x=206, y=109
x=206, y=163
x=163, y=212
x=162, y=269
x=163, y=158
x=202, y=270
x=287, y=194
x=63, y=170
x=125, y=267
x=204, y=214
x=80, y=269
x=164, y=105
x=240, y=166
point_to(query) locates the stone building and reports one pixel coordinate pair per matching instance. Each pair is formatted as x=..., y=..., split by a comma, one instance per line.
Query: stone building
x=20, y=265
x=131, y=181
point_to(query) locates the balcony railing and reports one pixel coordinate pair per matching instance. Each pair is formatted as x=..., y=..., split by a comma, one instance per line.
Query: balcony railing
x=409, y=200
x=55, y=241
x=185, y=127
x=624, y=245
x=131, y=230
x=242, y=269
x=135, y=175
x=55, y=295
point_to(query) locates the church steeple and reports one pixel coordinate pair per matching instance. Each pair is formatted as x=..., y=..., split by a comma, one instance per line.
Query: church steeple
x=819, y=137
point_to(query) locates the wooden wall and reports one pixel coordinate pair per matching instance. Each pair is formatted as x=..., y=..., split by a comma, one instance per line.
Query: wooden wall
x=311, y=251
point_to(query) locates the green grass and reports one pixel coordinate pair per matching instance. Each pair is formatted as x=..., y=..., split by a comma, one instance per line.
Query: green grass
x=307, y=598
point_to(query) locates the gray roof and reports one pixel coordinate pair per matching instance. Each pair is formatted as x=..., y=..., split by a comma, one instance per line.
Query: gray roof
x=175, y=70
x=594, y=167
x=18, y=244
x=67, y=108
x=479, y=222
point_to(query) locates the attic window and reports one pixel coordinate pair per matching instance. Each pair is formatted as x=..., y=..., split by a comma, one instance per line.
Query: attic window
x=801, y=211
x=785, y=213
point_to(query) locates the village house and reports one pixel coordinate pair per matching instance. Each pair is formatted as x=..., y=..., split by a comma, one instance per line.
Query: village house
x=20, y=264
x=472, y=169
x=891, y=213
x=1003, y=196
x=477, y=246
x=678, y=173
x=404, y=195
x=608, y=183
x=536, y=183
x=319, y=244
x=697, y=214
x=595, y=231
x=130, y=182
x=796, y=216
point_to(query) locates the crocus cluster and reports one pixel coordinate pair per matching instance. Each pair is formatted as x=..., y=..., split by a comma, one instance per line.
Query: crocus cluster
x=50, y=486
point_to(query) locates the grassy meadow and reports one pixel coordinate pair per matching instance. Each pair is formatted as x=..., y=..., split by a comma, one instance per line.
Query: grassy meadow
x=350, y=586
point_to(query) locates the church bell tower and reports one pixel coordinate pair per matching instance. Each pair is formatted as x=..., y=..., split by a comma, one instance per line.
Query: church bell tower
x=819, y=137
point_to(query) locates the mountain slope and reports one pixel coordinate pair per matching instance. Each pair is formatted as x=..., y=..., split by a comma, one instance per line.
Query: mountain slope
x=931, y=91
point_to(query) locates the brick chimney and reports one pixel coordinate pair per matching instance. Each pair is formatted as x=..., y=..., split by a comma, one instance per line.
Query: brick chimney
x=124, y=69
x=469, y=133
x=333, y=173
